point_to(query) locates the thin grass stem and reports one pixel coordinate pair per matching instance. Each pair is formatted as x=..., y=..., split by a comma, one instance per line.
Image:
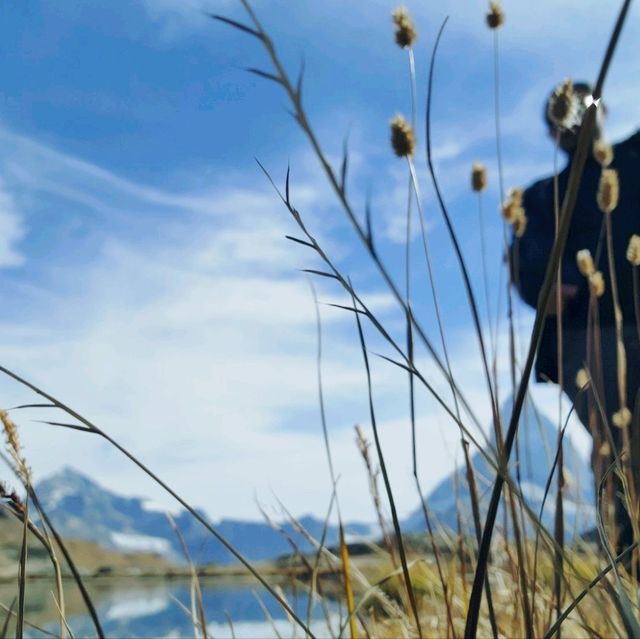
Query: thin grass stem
x=385, y=477
x=575, y=176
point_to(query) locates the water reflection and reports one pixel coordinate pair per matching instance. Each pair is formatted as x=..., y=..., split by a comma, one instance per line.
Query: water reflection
x=152, y=608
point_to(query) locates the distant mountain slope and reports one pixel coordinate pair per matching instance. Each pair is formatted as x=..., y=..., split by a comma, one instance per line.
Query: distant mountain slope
x=82, y=509
x=88, y=556
x=536, y=446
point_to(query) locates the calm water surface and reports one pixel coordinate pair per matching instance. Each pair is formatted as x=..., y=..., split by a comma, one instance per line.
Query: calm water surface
x=156, y=608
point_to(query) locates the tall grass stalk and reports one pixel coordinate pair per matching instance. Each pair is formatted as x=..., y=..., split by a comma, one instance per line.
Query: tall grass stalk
x=372, y=476
x=558, y=524
x=636, y=297
x=485, y=278
x=198, y=616
x=583, y=149
x=454, y=240
x=295, y=97
x=7, y=619
x=24, y=477
x=314, y=586
x=486, y=450
x=12, y=614
x=361, y=309
x=621, y=366
x=344, y=552
x=510, y=316
x=22, y=573
x=478, y=328
x=385, y=477
x=469, y=474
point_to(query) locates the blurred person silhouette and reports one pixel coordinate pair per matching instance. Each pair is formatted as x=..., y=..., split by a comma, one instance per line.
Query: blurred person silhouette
x=592, y=371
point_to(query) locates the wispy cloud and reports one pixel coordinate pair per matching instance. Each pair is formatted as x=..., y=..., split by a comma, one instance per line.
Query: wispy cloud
x=11, y=230
x=175, y=318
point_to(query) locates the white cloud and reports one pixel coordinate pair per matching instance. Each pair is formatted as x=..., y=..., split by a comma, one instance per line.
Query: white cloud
x=11, y=230
x=197, y=352
x=194, y=343
x=195, y=347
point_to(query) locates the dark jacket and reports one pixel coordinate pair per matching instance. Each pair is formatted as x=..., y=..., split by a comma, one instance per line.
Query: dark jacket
x=529, y=254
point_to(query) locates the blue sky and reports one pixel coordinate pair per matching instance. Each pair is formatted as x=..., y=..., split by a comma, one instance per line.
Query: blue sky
x=145, y=274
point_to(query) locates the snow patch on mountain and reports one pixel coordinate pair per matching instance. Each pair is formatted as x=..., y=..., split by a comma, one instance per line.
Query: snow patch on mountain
x=129, y=542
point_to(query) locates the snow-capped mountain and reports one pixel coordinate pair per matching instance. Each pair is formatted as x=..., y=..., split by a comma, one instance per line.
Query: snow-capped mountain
x=82, y=509
x=533, y=456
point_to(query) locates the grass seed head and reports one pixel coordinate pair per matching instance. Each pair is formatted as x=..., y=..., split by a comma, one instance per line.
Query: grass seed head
x=15, y=502
x=13, y=444
x=633, y=250
x=516, y=195
x=406, y=33
x=495, y=17
x=596, y=284
x=478, y=177
x=603, y=153
x=608, y=190
x=605, y=449
x=512, y=209
x=519, y=224
x=10, y=432
x=585, y=262
x=403, y=139
x=621, y=418
x=582, y=378
x=561, y=107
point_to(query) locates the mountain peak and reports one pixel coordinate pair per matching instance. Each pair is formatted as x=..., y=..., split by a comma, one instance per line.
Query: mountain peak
x=68, y=474
x=531, y=462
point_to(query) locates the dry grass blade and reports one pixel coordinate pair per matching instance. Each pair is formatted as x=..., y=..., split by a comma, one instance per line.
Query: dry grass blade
x=19, y=512
x=64, y=425
x=592, y=584
x=66, y=625
x=311, y=271
x=72, y=567
x=348, y=586
x=568, y=204
x=236, y=25
x=31, y=406
x=454, y=240
x=197, y=605
x=385, y=477
x=545, y=495
x=487, y=372
x=22, y=574
x=12, y=613
x=369, y=226
x=636, y=298
x=188, y=612
x=267, y=615
x=7, y=619
x=344, y=555
x=299, y=241
x=232, y=630
x=619, y=596
x=44, y=540
x=314, y=586
x=344, y=166
x=478, y=329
